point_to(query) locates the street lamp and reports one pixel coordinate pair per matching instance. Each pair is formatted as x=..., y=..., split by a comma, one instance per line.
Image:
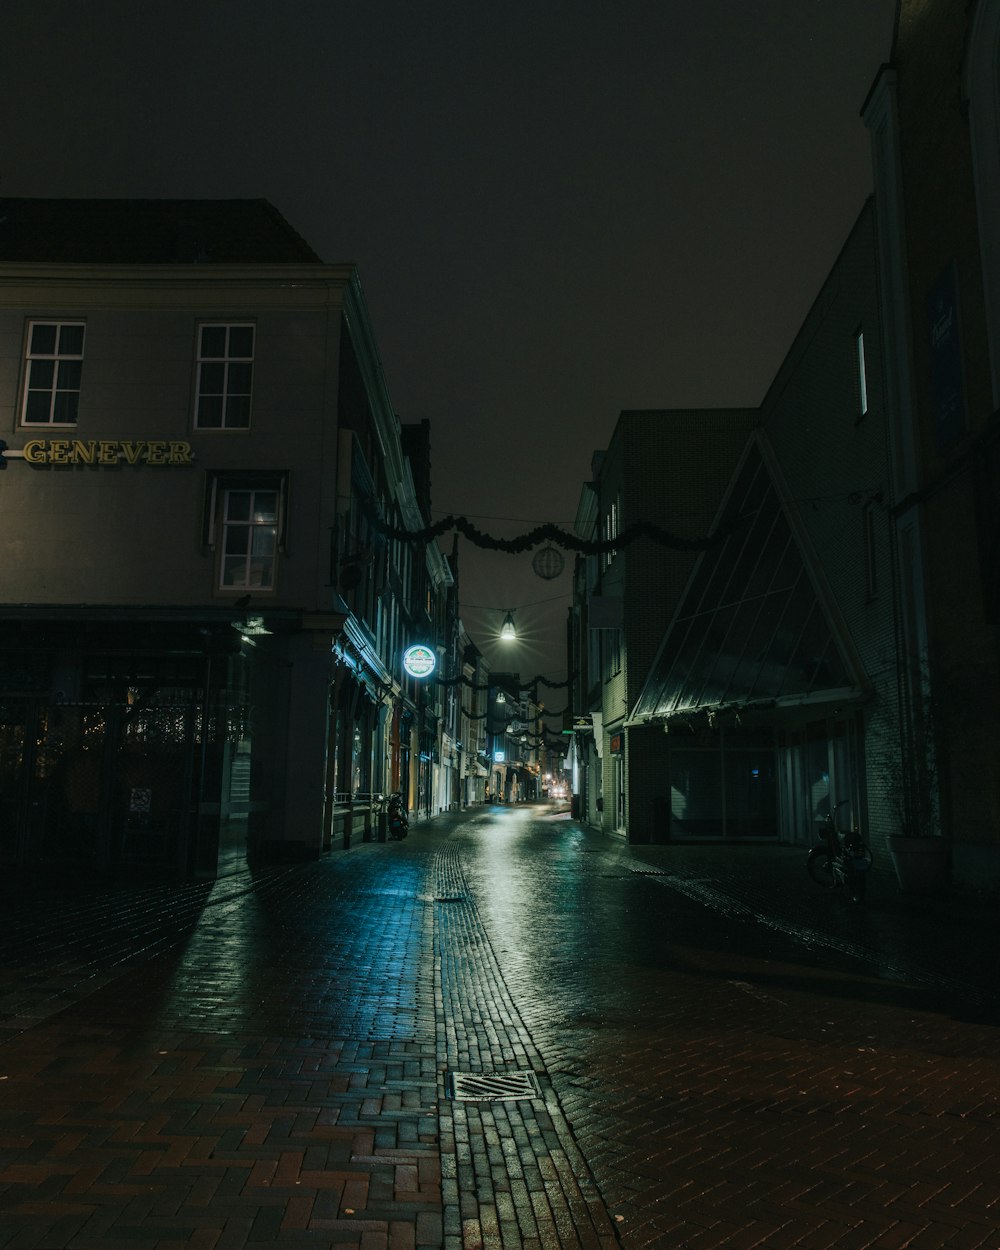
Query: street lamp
x=507, y=631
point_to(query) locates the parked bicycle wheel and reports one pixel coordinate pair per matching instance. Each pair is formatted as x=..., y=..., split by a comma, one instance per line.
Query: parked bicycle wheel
x=819, y=865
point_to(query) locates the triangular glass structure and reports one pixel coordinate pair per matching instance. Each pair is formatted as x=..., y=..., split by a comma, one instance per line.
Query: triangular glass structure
x=750, y=627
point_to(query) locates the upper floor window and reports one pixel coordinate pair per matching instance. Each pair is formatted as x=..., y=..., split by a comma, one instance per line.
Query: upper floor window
x=249, y=539
x=611, y=527
x=225, y=377
x=245, y=519
x=610, y=662
x=54, y=370
x=859, y=341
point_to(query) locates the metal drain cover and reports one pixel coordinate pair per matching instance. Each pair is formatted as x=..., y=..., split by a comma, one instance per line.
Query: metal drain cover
x=492, y=1086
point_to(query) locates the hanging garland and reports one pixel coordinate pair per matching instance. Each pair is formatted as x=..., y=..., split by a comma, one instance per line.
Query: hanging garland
x=544, y=533
x=526, y=686
x=544, y=715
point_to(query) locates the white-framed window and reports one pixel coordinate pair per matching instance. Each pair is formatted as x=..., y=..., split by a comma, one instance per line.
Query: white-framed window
x=244, y=525
x=611, y=527
x=225, y=376
x=249, y=539
x=862, y=375
x=54, y=368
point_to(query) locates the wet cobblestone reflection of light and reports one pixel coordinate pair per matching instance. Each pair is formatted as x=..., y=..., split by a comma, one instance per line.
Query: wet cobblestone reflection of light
x=722, y=1058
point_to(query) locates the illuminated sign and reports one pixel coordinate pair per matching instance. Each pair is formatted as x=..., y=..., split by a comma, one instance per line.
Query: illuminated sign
x=499, y=756
x=107, y=451
x=419, y=660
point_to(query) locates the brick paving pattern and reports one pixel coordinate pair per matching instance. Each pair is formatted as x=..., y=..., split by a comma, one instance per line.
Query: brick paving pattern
x=724, y=1059
x=515, y=1176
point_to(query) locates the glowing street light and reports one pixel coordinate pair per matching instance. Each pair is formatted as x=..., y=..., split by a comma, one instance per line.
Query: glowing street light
x=508, y=633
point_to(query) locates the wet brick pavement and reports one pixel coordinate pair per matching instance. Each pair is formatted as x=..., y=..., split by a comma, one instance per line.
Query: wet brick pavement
x=724, y=1055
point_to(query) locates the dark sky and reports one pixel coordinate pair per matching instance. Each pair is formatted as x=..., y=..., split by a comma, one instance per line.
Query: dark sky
x=558, y=210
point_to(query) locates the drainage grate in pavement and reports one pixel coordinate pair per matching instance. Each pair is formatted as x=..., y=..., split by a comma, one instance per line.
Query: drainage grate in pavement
x=492, y=1086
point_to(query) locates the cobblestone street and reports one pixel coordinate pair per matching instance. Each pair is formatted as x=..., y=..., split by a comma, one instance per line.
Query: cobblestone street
x=712, y=1052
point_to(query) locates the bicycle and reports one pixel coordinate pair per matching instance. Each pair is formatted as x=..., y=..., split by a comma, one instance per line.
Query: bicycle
x=843, y=861
x=393, y=820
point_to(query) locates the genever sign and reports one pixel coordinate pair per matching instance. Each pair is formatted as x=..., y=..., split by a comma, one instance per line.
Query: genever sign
x=107, y=451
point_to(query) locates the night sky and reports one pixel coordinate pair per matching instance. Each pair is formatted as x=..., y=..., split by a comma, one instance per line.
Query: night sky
x=558, y=210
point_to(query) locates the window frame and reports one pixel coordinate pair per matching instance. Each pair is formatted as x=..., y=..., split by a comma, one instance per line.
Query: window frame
x=57, y=358
x=611, y=525
x=226, y=360
x=860, y=375
x=218, y=488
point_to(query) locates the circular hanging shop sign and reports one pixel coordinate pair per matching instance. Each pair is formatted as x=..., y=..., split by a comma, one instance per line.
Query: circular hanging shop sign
x=419, y=660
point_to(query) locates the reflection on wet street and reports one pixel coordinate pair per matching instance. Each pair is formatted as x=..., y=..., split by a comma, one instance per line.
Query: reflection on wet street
x=715, y=1055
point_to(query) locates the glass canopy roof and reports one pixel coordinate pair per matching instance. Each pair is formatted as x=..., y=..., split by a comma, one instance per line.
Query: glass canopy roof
x=750, y=627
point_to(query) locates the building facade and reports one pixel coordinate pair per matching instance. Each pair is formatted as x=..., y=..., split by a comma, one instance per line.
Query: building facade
x=934, y=121
x=743, y=666
x=202, y=625
x=877, y=453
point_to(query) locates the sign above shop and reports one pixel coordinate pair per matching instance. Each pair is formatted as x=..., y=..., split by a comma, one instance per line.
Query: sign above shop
x=419, y=660
x=106, y=451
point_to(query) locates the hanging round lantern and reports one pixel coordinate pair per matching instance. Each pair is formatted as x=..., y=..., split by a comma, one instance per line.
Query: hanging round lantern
x=548, y=562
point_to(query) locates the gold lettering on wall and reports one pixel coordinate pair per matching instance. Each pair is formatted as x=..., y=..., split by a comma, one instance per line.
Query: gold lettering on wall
x=181, y=453
x=108, y=451
x=83, y=453
x=132, y=451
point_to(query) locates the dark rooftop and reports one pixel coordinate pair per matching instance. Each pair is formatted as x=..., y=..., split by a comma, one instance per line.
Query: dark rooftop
x=148, y=232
